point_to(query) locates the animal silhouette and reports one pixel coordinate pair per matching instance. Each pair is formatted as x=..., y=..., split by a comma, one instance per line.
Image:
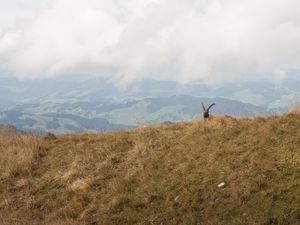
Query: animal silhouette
x=206, y=111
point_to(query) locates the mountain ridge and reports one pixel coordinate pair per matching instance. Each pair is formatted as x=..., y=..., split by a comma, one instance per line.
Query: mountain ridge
x=109, y=116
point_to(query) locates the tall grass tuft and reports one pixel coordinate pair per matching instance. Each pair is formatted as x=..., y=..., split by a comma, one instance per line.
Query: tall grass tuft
x=18, y=153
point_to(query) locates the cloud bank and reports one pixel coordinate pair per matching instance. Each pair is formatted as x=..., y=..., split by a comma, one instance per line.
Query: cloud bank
x=185, y=40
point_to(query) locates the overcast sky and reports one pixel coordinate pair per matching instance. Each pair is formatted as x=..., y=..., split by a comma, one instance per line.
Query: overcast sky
x=186, y=40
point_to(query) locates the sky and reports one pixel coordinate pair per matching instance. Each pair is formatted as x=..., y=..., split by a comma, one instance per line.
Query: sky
x=211, y=41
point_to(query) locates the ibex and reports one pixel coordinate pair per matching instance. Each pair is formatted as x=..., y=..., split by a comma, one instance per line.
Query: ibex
x=206, y=111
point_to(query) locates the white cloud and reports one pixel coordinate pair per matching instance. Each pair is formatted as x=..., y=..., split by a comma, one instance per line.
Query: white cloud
x=211, y=40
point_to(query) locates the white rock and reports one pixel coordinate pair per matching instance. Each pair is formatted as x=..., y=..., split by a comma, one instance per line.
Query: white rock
x=221, y=185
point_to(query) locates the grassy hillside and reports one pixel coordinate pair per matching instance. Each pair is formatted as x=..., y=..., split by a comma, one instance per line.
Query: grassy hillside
x=166, y=174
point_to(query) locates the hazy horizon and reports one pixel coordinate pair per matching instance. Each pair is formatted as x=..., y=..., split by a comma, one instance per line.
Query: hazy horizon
x=90, y=65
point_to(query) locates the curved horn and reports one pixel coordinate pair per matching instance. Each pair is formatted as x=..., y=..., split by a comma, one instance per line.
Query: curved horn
x=210, y=106
x=203, y=107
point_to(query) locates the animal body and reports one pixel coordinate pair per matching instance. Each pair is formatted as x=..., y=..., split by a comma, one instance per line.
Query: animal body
x=206, y=111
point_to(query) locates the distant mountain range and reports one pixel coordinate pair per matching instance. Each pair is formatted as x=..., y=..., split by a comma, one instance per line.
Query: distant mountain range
x=80, y=104
x=104, y=116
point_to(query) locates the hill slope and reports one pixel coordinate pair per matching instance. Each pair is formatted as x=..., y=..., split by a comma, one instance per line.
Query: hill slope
x=158, y=175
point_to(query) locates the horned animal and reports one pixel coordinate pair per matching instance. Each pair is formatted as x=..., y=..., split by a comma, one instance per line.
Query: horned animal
x=206, y=111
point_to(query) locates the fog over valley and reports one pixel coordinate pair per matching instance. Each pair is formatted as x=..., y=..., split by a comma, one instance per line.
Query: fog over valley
x=86, y=65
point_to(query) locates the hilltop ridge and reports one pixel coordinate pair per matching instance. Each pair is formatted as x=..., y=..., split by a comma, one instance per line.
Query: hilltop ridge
x=167, y=174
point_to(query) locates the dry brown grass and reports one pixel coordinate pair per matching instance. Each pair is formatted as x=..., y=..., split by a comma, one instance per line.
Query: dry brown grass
x=295, y=110
x=165, y=174
x=18, y=153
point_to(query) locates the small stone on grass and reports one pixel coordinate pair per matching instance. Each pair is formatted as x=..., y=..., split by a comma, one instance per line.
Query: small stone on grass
x=220, y=185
